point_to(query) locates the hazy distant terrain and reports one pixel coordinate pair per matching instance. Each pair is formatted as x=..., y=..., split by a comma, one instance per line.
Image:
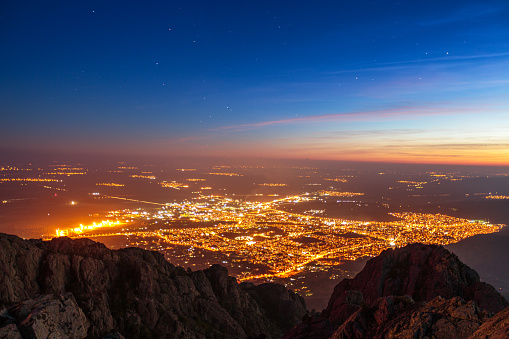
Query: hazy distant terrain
x=488, y=254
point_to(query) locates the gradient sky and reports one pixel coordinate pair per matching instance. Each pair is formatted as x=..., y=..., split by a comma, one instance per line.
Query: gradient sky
x=408, y=81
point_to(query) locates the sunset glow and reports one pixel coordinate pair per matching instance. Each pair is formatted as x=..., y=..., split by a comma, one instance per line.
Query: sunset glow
x=399, y=82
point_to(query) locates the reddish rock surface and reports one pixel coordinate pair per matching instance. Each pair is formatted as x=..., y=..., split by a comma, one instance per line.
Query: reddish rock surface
x=495, y=328
x=401, y=317
x=421, y=272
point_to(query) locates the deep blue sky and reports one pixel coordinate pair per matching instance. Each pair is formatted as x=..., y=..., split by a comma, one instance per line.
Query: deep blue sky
x=418, y=81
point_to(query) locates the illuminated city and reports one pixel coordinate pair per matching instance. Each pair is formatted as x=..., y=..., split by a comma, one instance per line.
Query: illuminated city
x=293, y=224
x=282, y=242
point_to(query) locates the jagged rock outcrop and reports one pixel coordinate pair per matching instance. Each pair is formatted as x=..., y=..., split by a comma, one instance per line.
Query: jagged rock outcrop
x=137, y=293
x=63, y=287
x=401, y=317
x=496, y=327
x=49, y=316
x=19, y=269
x=10, y=331
x=421, y=272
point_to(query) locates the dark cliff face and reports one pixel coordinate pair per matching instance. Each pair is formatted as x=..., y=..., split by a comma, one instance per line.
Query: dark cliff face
x=414, y=275
x=140, y=294
x=73, y=288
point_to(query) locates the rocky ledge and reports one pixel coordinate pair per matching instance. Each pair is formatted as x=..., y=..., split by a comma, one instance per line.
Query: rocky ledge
x=79, y=288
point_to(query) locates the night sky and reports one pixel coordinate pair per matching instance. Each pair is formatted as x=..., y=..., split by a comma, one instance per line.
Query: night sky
x=408, y=81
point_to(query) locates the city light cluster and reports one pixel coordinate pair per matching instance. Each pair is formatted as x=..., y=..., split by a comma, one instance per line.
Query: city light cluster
x=30, y=179
x=226, y=174
x=83, y=228
x=498, y=197
x=339, y=194
x=110, y=184
x=282, y=242
x=173, y=184
x=143, y=176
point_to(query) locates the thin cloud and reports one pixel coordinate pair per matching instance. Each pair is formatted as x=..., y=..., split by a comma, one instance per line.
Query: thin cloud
x=467, y=13
x=359, y=116
x=334, y=135
x=400, y=65
x=454, y=58
x=457, y=146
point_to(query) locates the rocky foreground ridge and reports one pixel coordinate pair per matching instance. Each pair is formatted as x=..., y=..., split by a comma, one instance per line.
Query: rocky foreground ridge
x=418, y=291
x=79, y=288
x=67, y=288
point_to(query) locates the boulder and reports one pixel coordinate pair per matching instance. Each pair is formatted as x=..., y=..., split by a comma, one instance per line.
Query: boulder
x=51, y=316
